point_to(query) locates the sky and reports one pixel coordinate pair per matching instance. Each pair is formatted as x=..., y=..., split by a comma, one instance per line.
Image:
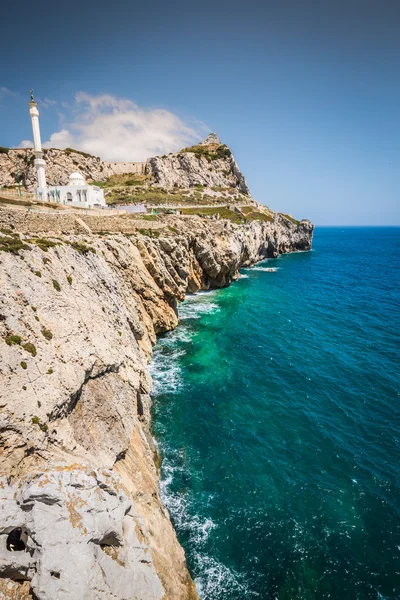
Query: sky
x=306, y=93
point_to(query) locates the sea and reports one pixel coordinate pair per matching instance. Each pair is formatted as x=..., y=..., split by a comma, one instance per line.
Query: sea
x=276, y=414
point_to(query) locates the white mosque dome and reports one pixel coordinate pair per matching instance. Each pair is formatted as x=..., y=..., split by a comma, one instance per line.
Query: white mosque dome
x=76, y=179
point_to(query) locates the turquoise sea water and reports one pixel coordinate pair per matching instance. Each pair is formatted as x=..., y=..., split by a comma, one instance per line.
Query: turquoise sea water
x=276, y=411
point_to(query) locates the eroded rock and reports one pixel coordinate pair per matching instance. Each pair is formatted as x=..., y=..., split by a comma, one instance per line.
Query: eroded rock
x=82, y=538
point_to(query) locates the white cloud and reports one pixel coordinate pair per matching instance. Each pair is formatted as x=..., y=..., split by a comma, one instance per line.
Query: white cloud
x=26, y=144
x=117, y=129
x=61, y=139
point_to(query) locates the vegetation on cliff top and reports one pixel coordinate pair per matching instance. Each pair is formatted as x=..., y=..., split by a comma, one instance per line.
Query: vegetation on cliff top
x=292, y=219
x=210, y=152
x=248, y=214
x=12, y=244
x=68, y=151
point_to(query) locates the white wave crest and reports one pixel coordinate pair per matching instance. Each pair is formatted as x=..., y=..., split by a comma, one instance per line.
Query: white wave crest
x=266, y=269
x=177, y=504
x=218, y=581
x=194, y=310
x=166, y=372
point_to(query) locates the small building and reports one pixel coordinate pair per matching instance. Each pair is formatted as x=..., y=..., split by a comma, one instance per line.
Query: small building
x=77, y=193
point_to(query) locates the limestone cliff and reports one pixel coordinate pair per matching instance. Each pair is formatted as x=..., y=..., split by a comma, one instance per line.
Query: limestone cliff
x=209, y=164
x=80, y=512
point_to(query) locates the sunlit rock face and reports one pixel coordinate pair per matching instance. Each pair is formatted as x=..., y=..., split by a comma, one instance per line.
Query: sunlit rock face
x=209, y=164
x=73, y=533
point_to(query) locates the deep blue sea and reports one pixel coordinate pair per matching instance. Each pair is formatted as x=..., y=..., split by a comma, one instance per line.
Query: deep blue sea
x=276, y=412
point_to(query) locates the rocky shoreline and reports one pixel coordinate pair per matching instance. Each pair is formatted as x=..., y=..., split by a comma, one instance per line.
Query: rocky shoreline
x=81, y=515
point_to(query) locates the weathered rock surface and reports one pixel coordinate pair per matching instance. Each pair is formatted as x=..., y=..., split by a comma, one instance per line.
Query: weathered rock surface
x=80, y=537
x=206, y=167
x=76, y=330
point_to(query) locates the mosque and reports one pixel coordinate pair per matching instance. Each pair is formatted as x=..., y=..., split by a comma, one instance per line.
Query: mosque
x=77, y=192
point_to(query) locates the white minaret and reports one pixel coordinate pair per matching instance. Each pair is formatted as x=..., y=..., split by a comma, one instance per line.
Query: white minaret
x=39, y=162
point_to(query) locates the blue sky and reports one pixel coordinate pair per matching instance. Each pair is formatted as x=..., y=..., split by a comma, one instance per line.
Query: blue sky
x=307, y=94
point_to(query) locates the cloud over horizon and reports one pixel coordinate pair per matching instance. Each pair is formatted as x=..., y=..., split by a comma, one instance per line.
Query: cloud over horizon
x=118, y=130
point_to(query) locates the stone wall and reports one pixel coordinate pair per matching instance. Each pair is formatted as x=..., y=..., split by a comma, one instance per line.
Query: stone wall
x=69, y=222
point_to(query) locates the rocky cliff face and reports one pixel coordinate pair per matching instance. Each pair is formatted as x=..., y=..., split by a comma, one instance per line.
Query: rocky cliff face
x=209, y=164
x=80, y=512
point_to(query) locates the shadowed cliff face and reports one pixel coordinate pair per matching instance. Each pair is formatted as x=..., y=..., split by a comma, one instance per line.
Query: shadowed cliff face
x=77, y=324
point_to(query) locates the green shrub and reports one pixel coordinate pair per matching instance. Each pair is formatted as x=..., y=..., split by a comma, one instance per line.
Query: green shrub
x=82, y=248
x=23, y=364
x=12, y=340
x=56, y=285
x=24, y=387
x=12, y=245
x=50, y=371
x=222, y=211
x=294, y=221
x=38, y=273
x=43, y=243
x=4, y=150
x=208, y=152
x=255, y=215
x=47, y=333
x=69, y=279
x=42, y=426
x=85, y=154
x=30, y=348
x=45, y=260
x=100, y=184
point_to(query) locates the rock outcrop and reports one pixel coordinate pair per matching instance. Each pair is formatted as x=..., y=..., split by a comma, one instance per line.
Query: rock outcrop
x=75, y=534
x=209, y=164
